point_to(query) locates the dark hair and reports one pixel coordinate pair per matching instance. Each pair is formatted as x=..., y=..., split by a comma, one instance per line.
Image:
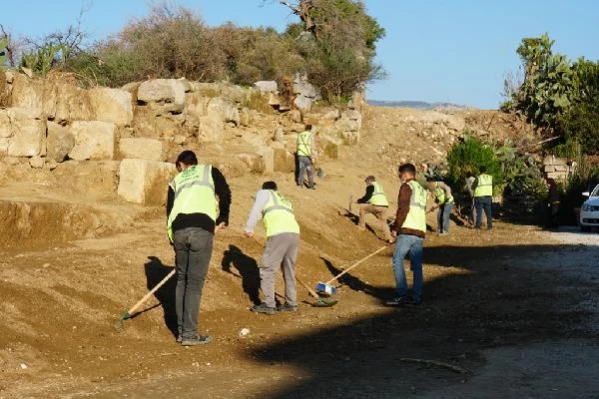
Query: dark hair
x=308, y=127
x=483, y=169
x=187, y=157
x=407, y=168
x=370, y=178
x=269, y=185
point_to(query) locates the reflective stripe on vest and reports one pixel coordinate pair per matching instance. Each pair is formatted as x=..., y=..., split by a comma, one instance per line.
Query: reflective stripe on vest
x=194, y=193
x=378, y=197
x=304, y=144
x=484, y=187
x=416, y=219
x=278, y=216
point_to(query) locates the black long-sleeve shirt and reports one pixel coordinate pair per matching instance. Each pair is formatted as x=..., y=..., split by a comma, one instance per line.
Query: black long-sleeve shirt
x=368, y=195
x=201, y=220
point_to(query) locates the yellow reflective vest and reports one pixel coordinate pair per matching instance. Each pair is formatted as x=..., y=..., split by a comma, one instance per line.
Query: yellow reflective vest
x=484, y=187
x=194, y=193
x=416, y=219
x=278, y=216
x=304, y=144
x=440, y=195
x=378, y=196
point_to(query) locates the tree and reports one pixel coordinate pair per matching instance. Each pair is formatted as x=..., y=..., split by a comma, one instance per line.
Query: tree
x=341, y=44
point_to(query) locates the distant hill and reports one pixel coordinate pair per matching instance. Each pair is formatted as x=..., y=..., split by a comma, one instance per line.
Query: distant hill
x=415, y=104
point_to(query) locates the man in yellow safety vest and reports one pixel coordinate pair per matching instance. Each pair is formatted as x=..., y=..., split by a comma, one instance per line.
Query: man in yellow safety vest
x=443, y=202
x=193, y=215
x=282, y=245
x=306, y=155
x=410, y=228
x=375, y=202
x=483, y=198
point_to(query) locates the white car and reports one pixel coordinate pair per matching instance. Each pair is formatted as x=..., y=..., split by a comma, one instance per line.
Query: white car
x=589, y=212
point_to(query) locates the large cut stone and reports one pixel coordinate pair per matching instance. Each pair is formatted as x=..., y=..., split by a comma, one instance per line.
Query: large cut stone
x=267, y=86
x=163, y=90
x=145, y=182
x=60, y=142
x=141, y=148
x=112, y=105
x=93, y=140
x=24, y=130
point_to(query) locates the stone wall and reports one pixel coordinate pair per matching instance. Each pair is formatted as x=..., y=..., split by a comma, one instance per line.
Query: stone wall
x=145, y=124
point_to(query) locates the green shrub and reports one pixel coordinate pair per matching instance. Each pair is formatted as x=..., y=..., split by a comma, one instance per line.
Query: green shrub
x=467, y=157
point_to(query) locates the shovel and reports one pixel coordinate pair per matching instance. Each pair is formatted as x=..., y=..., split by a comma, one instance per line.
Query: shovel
x=326, y=289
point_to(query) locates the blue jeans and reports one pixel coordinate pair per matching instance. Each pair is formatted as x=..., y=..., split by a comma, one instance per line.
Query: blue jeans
x=305, y=166
x=411, y=246
x=486, y=204
x=443, y=218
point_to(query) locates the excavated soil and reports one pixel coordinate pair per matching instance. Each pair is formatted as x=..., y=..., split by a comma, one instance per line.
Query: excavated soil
x=515, y=308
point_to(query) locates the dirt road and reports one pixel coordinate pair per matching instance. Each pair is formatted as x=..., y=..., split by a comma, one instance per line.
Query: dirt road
x=516, y=308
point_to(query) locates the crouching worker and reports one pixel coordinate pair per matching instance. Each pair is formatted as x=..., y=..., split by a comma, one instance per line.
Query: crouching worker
x=193, y=217
x=375, y=202
x=282, y=245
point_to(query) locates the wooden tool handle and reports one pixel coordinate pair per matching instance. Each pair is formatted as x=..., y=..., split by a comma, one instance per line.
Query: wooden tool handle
x=355, y=265
x=149, y=294
x=310, y=290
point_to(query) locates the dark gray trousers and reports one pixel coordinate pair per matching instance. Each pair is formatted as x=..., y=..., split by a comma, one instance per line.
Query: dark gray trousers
x=193, y=249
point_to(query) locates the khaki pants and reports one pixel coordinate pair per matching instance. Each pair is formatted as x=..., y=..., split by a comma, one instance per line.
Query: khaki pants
x=280, y=253
x=380, y=212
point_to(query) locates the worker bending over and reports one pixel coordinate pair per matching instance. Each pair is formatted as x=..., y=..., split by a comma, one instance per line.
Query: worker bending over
x=282, y=245
x=443, y=202
x=193, y=217
x=375, y=202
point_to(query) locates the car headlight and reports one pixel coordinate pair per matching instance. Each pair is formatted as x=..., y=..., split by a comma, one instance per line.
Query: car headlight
x=586, y=207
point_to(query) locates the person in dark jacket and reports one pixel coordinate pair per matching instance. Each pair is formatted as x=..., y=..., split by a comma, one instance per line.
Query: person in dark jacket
x=553, y=204
x=410, y=228
x=193, y=216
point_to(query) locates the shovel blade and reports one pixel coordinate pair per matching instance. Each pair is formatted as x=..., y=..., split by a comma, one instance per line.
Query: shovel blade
x=325, y=289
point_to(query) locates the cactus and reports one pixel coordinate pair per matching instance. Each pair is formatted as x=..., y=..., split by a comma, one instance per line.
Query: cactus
x=43, y=59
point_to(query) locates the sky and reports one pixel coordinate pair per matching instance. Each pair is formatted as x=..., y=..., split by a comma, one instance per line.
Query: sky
x=454, y=51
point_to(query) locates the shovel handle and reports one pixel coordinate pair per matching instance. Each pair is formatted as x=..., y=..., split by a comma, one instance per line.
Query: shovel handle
x=149, y=294
x=356, y=265
x=310, y=290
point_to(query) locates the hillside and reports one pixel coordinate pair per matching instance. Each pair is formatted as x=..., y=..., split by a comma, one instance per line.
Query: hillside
x=83, y=238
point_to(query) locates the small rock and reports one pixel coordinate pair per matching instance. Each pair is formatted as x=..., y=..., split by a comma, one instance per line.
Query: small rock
x=24, y=366
x=37, y=162
x=244, y=332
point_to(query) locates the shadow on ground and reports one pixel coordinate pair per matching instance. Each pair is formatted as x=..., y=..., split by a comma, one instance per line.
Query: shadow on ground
x=247, y=270
x=155, y=272
x=493, y=303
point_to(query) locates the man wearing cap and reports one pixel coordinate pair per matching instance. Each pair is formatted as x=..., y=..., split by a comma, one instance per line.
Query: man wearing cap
x=375, y=202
